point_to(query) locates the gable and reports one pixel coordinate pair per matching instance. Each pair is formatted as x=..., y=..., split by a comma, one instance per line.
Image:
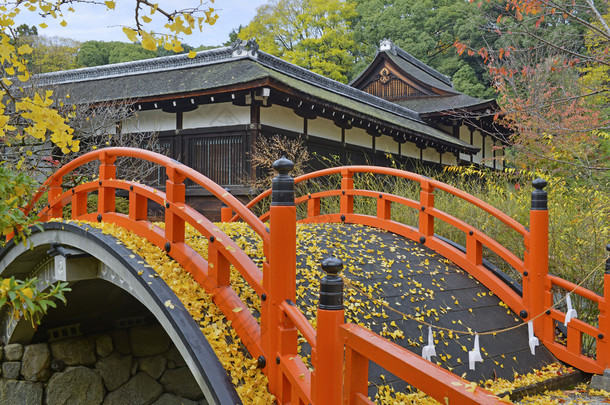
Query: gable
x=387, y=83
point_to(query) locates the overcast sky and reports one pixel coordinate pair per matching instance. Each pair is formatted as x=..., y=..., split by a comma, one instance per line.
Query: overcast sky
x=91, y=22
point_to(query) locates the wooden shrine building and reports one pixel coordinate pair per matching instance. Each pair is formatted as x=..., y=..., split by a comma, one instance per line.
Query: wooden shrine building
x=209, y=110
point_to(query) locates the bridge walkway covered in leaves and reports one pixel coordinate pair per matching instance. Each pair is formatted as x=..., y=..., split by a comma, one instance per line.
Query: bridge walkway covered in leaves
x=401, y=281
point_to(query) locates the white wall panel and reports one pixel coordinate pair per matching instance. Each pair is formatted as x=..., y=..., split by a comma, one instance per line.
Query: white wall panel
x=324, y=128
x=386, y=144
x=150, y=121
x=216, y=115
x=281, y=117
x=358, y=136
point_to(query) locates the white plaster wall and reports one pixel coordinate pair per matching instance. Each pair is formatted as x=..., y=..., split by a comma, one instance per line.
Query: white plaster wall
x=150, y=121
x=477, y=140
x=465, y=137
x=410, y=150
x=489, y=151
x=431, y=155
x=324, y=128
x=282, y=117
x=386, y=144
x=358, y=136
x=216, y=115
x=449, y=159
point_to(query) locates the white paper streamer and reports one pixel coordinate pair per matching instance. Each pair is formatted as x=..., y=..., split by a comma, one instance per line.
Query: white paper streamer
x=532, y=339
x=429, y=351
x=475, y=354
x=571, y=312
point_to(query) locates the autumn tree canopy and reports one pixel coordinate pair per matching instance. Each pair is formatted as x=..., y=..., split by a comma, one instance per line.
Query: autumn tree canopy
x=314, y=34
x=547, y=63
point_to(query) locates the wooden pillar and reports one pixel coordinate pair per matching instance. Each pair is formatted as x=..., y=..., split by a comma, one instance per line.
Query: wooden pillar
x=254, y=131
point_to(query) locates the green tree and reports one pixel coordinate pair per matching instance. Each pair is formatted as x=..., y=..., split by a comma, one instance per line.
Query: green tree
x=50, y=54
x=98, y=53
x=26, y=30
x=314, y=34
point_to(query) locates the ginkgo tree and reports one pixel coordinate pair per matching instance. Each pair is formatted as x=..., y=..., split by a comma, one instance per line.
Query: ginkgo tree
x=28, y=113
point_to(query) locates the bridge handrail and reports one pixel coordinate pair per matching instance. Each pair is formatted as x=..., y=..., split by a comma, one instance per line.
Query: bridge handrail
x=363, y=345
x=511, y=222
x=153, y=157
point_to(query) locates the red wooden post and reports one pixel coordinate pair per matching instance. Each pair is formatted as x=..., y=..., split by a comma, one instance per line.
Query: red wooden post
x=219, y=267
x=384, y=208
x=603, y=347
x=138, y=206
x=347, y=184
x=278, y=335
x=356, y=376
x=225, y=212
x=174, y=193
x=539, y=297
x=426, y=201
x=105, y=197
x=474, y=249
x=54, y=192
x=327, y=380
x=313, y=207
x=79, y=204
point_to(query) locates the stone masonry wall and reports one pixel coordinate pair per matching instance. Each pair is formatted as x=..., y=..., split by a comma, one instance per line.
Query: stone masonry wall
x=137, y=366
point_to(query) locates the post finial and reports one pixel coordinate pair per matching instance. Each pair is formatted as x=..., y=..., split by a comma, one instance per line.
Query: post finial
x=331, y=285
x=282, y=186
x=283, y=165
x=539, y=195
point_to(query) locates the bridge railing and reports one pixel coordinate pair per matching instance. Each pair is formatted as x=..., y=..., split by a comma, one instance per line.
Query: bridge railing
x=336, y=378
x=471, y=259
x=222, y=253
x=535, y=303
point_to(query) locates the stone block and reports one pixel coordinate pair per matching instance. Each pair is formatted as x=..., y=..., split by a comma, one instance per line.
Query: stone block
x=13, y=352
x=115, y=370
x=20, y=392
x=154, y=366
x=103, y=345
x=74, y=352
x=36, y=362
x=148, y=340
x=11, y=370
x=141, y=389
x=174, y=356
x=169, y=399
x=120, y=341
x=601, y=382
x=78, y=385
x=180, y=382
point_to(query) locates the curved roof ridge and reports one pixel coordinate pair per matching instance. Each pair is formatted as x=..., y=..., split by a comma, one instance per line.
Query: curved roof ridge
x=135, y=67
x=421, y=65
x=219, y=55
x=275, y=63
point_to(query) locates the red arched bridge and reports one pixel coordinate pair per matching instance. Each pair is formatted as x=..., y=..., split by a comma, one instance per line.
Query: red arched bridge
x=341, y=352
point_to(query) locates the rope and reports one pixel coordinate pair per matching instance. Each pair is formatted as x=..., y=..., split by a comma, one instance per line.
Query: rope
x=464, y=332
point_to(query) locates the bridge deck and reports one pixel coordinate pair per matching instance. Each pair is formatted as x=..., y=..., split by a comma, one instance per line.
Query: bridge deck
x=416, y=282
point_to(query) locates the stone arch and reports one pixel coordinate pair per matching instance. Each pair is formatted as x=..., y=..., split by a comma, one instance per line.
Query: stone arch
x=72, y=252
